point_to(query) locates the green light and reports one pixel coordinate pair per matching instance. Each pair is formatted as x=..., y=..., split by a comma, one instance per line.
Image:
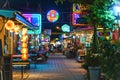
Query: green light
x=66, y=28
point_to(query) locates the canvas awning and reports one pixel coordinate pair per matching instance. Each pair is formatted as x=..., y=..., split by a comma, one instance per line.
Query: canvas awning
x=16, y=14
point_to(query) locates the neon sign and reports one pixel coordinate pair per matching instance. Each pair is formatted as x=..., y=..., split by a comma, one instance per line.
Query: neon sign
x=66, y=28
x=76, y=8
x=35, y=19
x=52, y=16
x=78, y=20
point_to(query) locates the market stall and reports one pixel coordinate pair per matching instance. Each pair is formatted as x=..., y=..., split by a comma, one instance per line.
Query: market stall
x=11, y=23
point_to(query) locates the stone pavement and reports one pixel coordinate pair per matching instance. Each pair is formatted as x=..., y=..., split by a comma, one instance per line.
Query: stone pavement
x=58, y=67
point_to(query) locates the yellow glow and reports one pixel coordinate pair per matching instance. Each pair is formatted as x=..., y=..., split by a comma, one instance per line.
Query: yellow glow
x=17, y=29
x=107, y=37
x=24, y=57
x=24, y=45
x=24, y=50
x=24, y=38
x=24, y=31
x=9, y=25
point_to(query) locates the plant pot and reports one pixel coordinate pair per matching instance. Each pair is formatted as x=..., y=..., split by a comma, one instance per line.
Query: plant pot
x=94, y=73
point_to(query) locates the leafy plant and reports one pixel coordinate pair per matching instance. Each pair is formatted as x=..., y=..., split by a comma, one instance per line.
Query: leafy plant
x=111, y=60
x=92, y=59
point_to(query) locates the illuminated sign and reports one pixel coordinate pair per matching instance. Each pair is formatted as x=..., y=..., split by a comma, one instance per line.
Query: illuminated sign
x=52, y=16
x=44, y=38
x=79, y=8
x=78, y=20
x=66, y=28
x=35, y=19
x=23, y=20
x=76, y=8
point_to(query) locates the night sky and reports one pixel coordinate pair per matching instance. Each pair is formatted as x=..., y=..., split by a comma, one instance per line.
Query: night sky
x=43, y=6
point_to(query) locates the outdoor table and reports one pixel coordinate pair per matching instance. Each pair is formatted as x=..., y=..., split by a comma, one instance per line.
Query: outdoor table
x=22, y=65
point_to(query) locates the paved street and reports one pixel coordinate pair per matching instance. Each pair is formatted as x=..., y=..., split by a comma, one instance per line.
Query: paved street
x=58, y=67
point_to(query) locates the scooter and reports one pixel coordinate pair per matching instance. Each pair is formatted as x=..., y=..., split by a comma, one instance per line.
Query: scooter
x=70, y=53
x=42, y=56
x=80, y=55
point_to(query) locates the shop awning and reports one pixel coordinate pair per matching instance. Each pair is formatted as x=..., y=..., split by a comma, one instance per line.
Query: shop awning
x=18, y=17
x=84, y=28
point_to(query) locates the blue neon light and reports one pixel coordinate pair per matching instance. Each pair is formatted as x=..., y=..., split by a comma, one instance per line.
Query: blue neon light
x=23, y=20
x=35, y=19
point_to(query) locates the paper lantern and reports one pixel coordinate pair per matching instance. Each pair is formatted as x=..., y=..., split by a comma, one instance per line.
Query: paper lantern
x=17, y=29
x=24, y=31
x=24, y=50
x=9, y=25
x=24, y=38
x=24, y=57
x=24, y=45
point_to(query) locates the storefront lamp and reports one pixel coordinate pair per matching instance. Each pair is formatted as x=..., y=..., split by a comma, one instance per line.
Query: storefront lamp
x=9, y=25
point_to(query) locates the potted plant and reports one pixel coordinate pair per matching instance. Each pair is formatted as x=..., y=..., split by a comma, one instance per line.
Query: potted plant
x=93, y=65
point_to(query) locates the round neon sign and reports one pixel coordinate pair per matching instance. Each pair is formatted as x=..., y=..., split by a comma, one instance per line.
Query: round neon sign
x=52, y=16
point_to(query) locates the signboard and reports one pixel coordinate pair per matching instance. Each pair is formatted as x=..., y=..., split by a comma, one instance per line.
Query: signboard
x=78, y=20
x=76, y=8
x=35, y=19
x=52, y=16
x=79, y=8
x=66, y=28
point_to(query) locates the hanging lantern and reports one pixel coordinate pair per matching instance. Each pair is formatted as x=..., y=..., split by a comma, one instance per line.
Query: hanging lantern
x=9, y=25
x=24, y=31
x=24, y=50
x=24, y=38
x=17, y=29
x=24, y=45
x=24, y=57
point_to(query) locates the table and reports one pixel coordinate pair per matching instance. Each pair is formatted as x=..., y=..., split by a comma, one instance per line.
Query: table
x=22, y=65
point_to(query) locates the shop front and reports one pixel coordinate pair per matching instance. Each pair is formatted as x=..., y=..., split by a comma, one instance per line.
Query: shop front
x=11, y=25
x=82, y=40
